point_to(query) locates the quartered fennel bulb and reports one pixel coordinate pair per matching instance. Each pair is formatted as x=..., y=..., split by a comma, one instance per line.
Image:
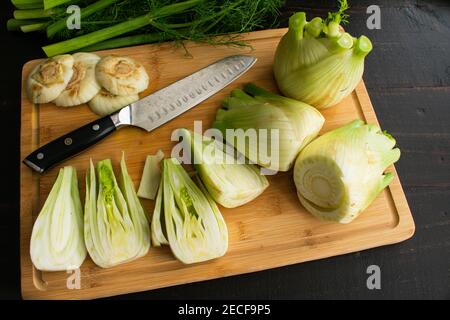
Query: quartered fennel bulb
x=295, y=123
x=83, y=85
x=116, y=229
x=49, y=78
x=105, y=102
x=187, y=218
x=317, y=62
x=230, y=183
x=122, y=76
x=339, y=174
x=57, y=242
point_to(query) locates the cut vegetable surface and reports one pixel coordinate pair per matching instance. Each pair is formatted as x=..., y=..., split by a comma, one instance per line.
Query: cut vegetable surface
x=317, y=62
x=339, y=174
x=105, y=103
x=151, y=176
x=294, y=123
x=83, y=85
x=187, y=218
x=121, y=75
x=57, y=242
x=158, y=229
x=230, y=183
x=116, y=226
x=49, y=78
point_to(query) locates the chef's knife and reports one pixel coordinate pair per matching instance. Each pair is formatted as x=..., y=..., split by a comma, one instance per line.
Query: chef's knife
x=148, y=113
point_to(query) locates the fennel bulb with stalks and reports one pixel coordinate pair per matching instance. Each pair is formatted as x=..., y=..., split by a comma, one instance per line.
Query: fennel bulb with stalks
x=317, y=62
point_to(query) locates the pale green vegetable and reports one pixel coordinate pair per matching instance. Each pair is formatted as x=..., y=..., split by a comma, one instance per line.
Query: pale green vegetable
x=151, y=176
x=317, y=62
x=187, y=218
x=230, y=183
x=294, y=122
x=116, y=226
x=57, y=239
x=339, y=174
x=158, y=221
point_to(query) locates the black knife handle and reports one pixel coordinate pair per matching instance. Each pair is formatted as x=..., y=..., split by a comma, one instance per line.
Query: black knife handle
x=69, y=144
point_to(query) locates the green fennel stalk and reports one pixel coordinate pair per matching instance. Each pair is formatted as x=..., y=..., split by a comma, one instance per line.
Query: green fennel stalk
x=14, y=24
x=116, y=23
x=28, y=4
x=60, y=24
x=117, y=30
x=127, y=41
x=33, y=14
x=48, y=4
x=34, y=27
x=212, y=22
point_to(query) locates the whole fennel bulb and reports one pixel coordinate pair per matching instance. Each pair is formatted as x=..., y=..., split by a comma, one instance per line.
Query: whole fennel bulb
x=317, y=62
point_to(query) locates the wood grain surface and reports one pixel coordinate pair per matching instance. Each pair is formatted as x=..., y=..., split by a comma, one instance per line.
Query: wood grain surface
x=272, y=231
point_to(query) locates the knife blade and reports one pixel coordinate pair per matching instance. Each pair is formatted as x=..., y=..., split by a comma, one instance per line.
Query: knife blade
x=148, y=113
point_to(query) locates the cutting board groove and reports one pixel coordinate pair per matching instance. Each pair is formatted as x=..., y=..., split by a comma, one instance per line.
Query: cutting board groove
x=272, y=231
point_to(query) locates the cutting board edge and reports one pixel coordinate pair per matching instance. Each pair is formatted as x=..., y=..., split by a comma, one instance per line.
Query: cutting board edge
x=32, y=293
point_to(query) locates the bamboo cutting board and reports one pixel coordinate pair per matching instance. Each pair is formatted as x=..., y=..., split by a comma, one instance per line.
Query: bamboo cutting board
x=274, y=230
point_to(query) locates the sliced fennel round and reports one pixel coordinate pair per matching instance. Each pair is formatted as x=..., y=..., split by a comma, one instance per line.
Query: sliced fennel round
x=317, y=62
x=230, y=183
x=339, y=174
x=105, y=103
x=57, y=242
x=116, y=226
x=121, y=75
x=187, y=218
x=49, y=78
x=83, y=85
x=294, y=123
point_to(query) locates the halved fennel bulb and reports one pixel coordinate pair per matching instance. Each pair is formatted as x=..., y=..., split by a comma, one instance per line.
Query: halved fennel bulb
x=49, y=78
x=317, y=62
x=187, y=218
x=57, y=242
x=339, y=174
x=264, y=114
x=83, y=85
x=230, y=183
x=116, y=226
x=105, y=102
x=121, y=75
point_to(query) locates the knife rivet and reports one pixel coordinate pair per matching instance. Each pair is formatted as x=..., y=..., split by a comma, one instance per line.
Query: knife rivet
x=40, y=156
x=68, y=141
x=95, y=127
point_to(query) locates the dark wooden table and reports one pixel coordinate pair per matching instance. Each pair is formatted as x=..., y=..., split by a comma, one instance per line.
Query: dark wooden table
x=408, y=78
